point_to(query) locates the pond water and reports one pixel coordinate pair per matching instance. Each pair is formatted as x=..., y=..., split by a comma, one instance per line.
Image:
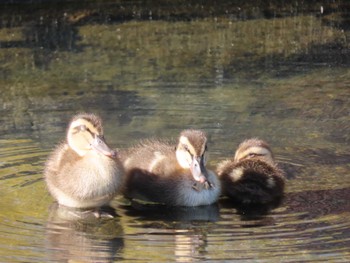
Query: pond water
x=280, y=73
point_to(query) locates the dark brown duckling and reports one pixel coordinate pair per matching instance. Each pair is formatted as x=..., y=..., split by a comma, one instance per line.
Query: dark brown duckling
x=252, y=176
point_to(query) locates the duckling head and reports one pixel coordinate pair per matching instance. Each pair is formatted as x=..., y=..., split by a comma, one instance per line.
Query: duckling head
x=85, y=134
x=254, y=149
x=191, y=153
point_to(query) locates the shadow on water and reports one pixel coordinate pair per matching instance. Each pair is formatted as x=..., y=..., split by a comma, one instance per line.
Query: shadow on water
x=319, y=203
x=36, y=118
x=46, y=30
x=315, y=57
x=182, y=214
x=54, y=26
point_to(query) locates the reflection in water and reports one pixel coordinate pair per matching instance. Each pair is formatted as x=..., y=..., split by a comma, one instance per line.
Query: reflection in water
x=250, y=211
x=189, y=245
x=77, y=236
x=185, y=229
x=208, y=213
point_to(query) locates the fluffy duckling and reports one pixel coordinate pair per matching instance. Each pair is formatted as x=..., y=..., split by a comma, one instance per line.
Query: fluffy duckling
x=252, y=176
x=83, y=172
x=176, y=176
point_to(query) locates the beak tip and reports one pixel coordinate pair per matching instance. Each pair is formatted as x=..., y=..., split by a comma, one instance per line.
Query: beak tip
x=202, y=179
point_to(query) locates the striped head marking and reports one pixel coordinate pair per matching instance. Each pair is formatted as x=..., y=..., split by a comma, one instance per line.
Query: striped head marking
x=191, y=153
x=85, y=134
x=253, y=148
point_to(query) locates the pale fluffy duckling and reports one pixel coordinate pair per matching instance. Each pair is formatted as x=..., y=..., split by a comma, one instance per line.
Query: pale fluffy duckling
x=176, y=176
x=84, y=172
x=252, y=177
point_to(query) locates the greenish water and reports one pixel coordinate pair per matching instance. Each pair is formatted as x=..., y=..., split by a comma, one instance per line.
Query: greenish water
x=280, y=73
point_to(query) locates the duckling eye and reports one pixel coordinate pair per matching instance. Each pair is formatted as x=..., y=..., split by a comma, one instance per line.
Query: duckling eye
x=82, y=128
x=185, y=147
x=252, y=155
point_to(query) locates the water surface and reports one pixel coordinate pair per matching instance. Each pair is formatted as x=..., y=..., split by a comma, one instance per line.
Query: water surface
x=280, y=73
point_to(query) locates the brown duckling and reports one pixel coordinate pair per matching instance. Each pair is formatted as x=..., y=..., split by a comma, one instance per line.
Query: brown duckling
x=252, y=176
x=159, y=172
x=83, y=172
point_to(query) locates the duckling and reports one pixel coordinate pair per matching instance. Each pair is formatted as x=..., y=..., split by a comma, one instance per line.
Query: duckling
x=83, y=172
x=157, y=171
x=252, y=176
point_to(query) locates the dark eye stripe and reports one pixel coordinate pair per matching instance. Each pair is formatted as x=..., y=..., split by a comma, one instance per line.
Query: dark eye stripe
x=185, y=147
x=89, y=131
x=84, y=128
x=254, y=154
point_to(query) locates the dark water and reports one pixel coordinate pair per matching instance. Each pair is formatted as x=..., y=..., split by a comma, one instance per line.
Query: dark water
x=278, y=72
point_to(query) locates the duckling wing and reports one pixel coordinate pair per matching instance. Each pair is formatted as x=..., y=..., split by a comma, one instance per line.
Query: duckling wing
x=152, y=156
x=60, y=158
x=58, y=169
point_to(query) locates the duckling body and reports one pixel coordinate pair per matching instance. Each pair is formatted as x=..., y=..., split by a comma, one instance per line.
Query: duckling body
x=252, y=176
x=157, y=171
x=83, y=172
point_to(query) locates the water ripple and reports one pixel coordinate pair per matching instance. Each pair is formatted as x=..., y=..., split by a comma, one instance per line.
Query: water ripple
x=309, y=225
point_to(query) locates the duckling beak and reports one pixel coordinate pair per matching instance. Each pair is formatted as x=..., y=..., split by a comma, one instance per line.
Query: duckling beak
x=198, y=170
x=99, y=145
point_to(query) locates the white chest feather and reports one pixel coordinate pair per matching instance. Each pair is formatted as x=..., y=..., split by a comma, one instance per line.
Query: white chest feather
x=190, y=197
x=99, y=175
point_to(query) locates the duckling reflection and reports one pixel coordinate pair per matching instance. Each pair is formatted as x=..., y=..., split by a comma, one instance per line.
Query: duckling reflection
x=190, y=245
x=158, y=212
x=84, y=172
x=176, y=176
x=71, y=238
x=252, y=178
x=248, y=215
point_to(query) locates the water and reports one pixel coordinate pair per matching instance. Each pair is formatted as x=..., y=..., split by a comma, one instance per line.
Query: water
x=151, y=71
